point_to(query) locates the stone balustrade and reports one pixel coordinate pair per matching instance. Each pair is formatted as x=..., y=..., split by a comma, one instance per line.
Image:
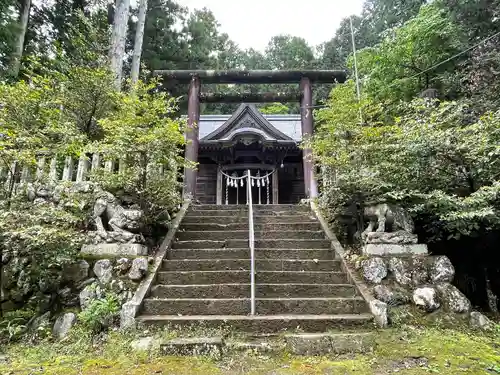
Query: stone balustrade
x=56, y=169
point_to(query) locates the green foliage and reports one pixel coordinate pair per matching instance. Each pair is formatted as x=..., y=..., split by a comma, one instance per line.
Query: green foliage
x=438, y=158
x=14, y=323
x=274, y=109
x=101, y=313
x=418, y=45
x=143, y=133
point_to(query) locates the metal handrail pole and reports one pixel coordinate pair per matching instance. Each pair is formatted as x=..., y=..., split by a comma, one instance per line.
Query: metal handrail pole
x=251, y=244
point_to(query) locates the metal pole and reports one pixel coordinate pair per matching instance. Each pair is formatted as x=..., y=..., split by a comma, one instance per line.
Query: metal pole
x=356, y=68
x=251, y=244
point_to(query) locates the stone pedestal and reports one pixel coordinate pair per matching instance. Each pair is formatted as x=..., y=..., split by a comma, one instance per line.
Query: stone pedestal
x=115, y=249
x=393, y=243
x=394, y=249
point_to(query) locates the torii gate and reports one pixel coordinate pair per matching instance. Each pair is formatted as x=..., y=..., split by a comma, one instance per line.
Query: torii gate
x=305, y=79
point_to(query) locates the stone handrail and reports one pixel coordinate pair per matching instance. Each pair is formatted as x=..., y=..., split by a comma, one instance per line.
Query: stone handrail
x=373, y=304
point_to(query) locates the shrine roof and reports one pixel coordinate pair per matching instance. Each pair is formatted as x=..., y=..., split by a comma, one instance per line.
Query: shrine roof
x=282, y=127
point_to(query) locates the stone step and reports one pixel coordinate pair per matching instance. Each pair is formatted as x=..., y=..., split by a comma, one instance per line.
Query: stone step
x=227, y=213
x=256, y=207
x=209, y=244
x=201, y=291
x=263, y=306
x=238, y=219
x=196, y=219
x=305, y=290
x=300, y=277
x=244, y=264
x=293, y=243
x=259, y=243
x=196, y=306
x=308, y=344
x=281, y=213
x=203, y=277
x=310, y=305
x=257, y=227
x=261, y=290
x=218, y=207
x=261, y=323
x=243, y=277
x=321, y=254
x=178, y=254
x=243, y=234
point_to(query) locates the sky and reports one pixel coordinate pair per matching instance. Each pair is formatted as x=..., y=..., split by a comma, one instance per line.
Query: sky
x=251, y=23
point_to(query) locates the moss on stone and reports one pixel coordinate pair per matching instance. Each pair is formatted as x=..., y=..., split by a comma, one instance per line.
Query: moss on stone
x=407, y=350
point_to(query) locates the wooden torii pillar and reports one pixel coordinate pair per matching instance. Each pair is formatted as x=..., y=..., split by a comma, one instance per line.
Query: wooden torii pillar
x=192, y=137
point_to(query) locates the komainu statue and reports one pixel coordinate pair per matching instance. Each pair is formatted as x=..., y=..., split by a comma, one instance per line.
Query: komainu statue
x=123, y=222
x=383, y=215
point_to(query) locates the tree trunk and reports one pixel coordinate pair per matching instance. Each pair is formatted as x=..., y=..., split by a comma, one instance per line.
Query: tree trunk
x=17, y=54
x=139, y=36
x=118, y=37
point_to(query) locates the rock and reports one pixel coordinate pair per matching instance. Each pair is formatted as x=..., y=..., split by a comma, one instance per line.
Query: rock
x=419, y=273
x=117, y=286
x=64, y=293
x=441, y=270
x=84, y=283
x=194, y=346
x=379, y=311
x=453, y=299
x=6, y=257
x=374, y=270
x=76, y=272
x=139, y=269
x=87, y=295
x=401, y=270
x=123, y=265
x=103, y=271
x=40, y=321
x=391, y=296
x=400, y=237
x=143, y=344
x=479, y=321
x=63, y=324
x=427, y=298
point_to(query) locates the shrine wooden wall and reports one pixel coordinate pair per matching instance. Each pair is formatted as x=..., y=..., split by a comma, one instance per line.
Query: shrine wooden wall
x=206, y=183
x=291, y=183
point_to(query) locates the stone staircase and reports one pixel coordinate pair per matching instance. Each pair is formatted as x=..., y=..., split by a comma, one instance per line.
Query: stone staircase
x=205, y=279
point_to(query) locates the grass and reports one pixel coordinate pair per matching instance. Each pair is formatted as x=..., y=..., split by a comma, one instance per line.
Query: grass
x=407, y=350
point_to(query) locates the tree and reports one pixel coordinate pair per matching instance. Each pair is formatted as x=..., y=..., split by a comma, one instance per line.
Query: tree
x=7, y=32
x=403, y=63
x=17, y=53
x=139, y=36
x=289, y=52
x=118, y=39
x=274, y=109
x=163, y=45
x=383, y=15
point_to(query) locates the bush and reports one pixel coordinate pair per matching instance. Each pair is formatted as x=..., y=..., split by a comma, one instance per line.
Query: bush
x=101, y=313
